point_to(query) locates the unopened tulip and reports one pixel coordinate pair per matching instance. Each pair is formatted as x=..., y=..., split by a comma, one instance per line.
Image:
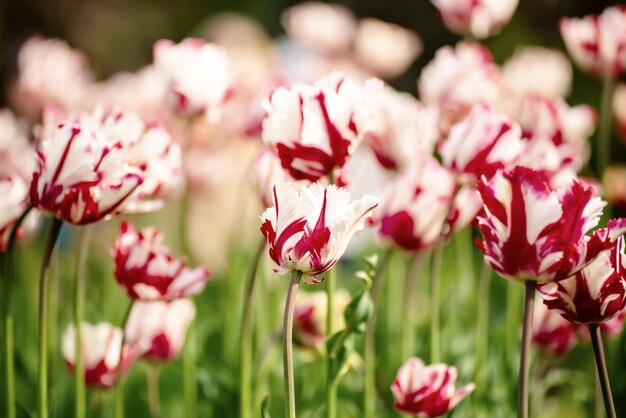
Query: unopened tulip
x=147, y=270
x=551, y=332
x=595, y=294
x=427, y=391
x=481, y=144
x=597, y=42
x=531, y=232
x=477, y=18
x=199, y=73
x=81, y=177
x=308, y=230
x=414, y=211
x=157, y=329
x=101, y=345
x=312, y=127
x=457, y=78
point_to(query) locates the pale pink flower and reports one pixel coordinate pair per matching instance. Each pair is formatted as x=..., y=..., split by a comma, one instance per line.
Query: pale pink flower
x=156, y=330
x=457, y=78
x=598, y=42
x=17, y=155
x=427, y=391
x=148, y=271
x=477, y=18
x=100, y=348
x=614, y=182
x=619, y=109
x=328, y=28
x=308, y=230
x=14, y=192
x=385, y=49
x=199, y=74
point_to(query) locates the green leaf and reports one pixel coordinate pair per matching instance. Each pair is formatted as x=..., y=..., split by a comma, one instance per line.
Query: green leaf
x=265, y=407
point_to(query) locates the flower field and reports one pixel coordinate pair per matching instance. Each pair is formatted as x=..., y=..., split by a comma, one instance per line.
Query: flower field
x=348, y=218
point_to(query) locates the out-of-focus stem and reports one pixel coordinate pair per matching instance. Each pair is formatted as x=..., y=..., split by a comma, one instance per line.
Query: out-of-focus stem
x=44, y=285
x=79, y=296
x=369, y=390
x=603, y=375
x=290, y=395
x=410, y=284
x=482, y=319
x=434, y=300
x=524, y=367
x=331, y=386
x=119, y=381
x=245, y=399
x=603, y=145
x=513, y=308
x=152, y=385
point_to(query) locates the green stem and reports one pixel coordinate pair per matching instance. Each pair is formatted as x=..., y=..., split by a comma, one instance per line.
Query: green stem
x=410, y=283
x=42, y=400
x=524, y=368
x=603, y=150
x=513, y=309
x=290, y=395
x=598, y=401
x=482, y=320
x=331, y=387
x=152, y=385
x=598, y=351
x=190, y=387
x=434, y=300
x=119, y=381
x=369, y=390
x=245, y=360
x=79, y=297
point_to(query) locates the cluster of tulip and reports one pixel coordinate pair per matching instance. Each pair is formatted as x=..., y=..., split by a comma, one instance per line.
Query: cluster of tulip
x=493, y=147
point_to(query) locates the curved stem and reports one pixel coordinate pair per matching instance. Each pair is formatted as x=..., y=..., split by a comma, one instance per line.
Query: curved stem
x=482, y=319
x=603, y=150
x=119, y=381
x=598, y=351
x=152, y=384
x=434, y=300
x=79, y=297
x=245, y=399
x=290, y=395
x=410, y=283
x=522, y=390
x=42, y=400
x=369, y=390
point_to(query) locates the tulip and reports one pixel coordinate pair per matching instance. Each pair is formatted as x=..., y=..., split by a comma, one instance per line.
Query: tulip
x=17, y=157
x=476, y=18
x=81, y=177
x=309, y=322
x=395, y=125
x=414, y=220
x=200, y=76
x=481, y=144
x=148, y=271
x=308, y=230
x=156, y=330
x=457, y=78
x=619, y=108
x=597, y=42
x=15, y=192
x=614, y=184
x=427, y=391
x=312, y=127
x=553, y=333
x=328, y=28
x=101, y=345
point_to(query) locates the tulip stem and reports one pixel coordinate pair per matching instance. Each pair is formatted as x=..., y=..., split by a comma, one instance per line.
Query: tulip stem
x=410, y=283
x=152, y=385
x=119, y=381
x=598, y=403
x=44, y=285
x=7, y=312
x=598, y=350
x=369, y=354
x=331, y=385
x=245, y=360
x=290, y=395
x=79, y=296
x=434, y=300
x=524, y=367
x=606, y=119
x=482, y=319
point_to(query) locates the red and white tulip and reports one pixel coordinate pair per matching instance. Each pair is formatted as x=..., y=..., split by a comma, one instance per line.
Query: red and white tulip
x=100, y=348
x=598, y=42
x=532, y=232
x=477, y=18
x=312, y=127
x=427, y=391
x=308, y=230
x=551, y=332
x=148, y=271
x=15, y=199
x=156, y=330
x=309, y=318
